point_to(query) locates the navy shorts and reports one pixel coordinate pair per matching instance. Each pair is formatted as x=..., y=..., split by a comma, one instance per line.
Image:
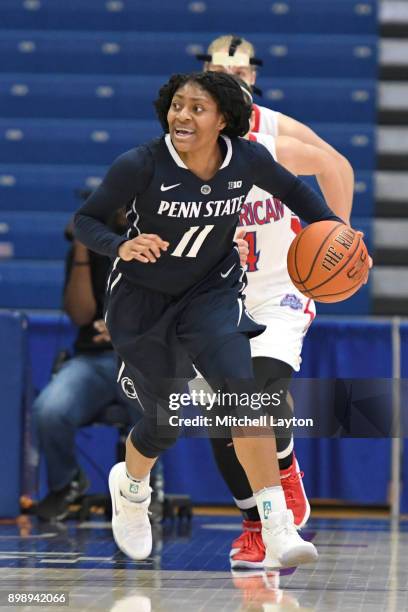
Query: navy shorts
x=159, y=337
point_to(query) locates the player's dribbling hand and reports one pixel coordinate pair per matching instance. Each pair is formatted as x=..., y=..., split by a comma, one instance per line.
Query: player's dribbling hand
x=243, y=247
x=370, y=263
x=145, y=248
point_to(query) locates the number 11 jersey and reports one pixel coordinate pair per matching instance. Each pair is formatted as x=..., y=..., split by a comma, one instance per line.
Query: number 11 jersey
x=197, y=217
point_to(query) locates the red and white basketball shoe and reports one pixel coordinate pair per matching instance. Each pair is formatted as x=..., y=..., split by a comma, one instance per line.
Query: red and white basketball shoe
x=295, y=494
x=248, y=550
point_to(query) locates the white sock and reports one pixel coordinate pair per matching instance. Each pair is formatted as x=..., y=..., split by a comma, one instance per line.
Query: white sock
x=270, y=499
x=133, y=489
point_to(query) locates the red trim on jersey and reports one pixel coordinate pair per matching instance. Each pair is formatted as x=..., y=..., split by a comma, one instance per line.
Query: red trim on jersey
x=311, y=314
x=257, y=113
x=252, y=137
x=295, y=224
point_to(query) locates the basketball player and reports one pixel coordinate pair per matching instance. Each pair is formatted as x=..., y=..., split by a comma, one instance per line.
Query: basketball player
x=270, y=294
x=174, y=294
x=236, y=55
x=273, y=300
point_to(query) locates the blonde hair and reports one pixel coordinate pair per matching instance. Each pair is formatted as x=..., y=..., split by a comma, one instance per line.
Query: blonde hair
x=224, y=42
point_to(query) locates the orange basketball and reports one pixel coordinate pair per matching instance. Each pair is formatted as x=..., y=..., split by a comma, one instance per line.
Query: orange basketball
x=328, y=261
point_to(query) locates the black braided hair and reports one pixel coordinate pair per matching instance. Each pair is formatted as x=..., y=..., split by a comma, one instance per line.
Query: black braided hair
x=223, y=88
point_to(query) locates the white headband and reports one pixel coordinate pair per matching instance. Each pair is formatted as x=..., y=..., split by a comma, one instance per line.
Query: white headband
x=221, y=58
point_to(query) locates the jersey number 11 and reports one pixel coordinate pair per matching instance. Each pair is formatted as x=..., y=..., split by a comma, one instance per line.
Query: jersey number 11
x=198, y=241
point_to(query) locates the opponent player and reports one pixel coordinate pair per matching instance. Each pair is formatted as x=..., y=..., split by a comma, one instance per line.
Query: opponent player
x=289, y=313
x=274, y=301
x=236, y=55
x=183, y=193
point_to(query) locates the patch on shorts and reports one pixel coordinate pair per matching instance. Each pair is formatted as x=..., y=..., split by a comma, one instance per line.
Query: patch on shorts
x=292, y=301
x=128, y=387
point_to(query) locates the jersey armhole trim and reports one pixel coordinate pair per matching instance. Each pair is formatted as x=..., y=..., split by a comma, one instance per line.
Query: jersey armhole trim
x=257, y=113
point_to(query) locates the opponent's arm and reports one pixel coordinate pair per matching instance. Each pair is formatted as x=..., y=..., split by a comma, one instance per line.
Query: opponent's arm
x=287, y=126
x=274, y=178
x=299, y=197
x=304, y=159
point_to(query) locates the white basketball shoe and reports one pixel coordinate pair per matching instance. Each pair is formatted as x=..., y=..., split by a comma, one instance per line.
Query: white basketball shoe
x=130, y=519
x=284, y=546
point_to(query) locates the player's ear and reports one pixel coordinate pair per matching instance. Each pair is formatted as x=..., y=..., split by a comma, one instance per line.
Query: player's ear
x=221, y=123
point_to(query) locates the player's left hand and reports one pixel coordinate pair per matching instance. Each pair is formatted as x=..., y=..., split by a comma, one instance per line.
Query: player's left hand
x=243, y=247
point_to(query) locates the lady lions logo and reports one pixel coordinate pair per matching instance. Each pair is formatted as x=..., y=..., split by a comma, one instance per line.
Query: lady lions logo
x=128, y=387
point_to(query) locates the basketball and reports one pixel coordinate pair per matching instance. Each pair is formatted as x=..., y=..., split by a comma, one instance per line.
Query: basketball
x=328, y=261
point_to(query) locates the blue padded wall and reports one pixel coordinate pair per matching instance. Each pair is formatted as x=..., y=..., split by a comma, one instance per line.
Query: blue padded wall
x=333, y=349
x=13, y=381
x=31, y=284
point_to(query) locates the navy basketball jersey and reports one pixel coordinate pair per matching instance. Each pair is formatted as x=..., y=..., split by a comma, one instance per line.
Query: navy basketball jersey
x=198, y=218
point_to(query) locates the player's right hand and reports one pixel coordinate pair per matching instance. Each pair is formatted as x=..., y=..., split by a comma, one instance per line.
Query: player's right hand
x=370, y=262
x=145, y=248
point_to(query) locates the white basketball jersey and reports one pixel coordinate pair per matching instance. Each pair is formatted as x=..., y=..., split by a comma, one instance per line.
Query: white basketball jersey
x=270, y=227
x=265, y=120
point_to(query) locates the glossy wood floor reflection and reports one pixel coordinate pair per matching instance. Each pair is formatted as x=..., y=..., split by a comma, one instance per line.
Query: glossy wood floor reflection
x=363, y=567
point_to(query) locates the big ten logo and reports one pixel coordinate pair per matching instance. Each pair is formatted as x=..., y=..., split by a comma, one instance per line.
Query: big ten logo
x=234, y=184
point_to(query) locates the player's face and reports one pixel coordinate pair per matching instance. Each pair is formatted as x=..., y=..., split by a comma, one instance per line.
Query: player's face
x=246, y=73
x=194, y=118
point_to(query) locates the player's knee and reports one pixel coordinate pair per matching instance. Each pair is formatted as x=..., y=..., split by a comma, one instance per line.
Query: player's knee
x=226, y=357
x=151, y=440
x=221, y=446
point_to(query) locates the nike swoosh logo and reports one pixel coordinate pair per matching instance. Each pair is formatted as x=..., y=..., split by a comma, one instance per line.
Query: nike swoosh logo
x=167, y=187
x=225, y=274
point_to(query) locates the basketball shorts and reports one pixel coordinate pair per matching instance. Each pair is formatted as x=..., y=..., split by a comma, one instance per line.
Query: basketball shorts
x=159, y=337
x=287, y=318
